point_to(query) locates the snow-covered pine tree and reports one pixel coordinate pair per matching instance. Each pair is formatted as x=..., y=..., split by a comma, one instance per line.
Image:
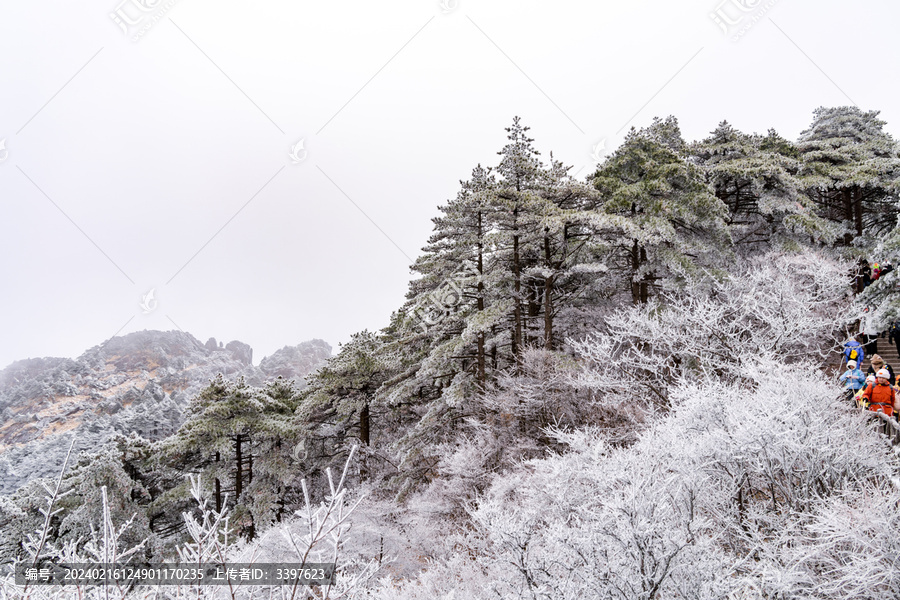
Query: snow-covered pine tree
x=131, y=483
x=520, y=206
x=756, y=177
x=882, y=295
x=572, y=258
x=232, y=428
x=272, y=488
x=459, y=326
x=500, y=265
x=662, y=221
x=84, y=507
x=455, y=285
x=340, y=403
x=20, y=515
x=850, y=169
x=451, y=336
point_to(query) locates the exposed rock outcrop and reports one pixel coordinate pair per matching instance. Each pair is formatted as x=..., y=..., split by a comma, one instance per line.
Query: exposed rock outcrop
x=141, y=382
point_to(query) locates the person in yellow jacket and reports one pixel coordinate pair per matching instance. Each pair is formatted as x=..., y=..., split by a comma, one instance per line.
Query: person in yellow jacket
x=881, y=397
x=859, y=397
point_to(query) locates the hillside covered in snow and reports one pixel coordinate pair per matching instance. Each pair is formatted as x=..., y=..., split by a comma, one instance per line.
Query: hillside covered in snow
x=619, y=387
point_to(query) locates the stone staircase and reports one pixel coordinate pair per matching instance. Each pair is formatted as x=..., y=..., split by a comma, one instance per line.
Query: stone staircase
x=887, y=425
x=888, y=352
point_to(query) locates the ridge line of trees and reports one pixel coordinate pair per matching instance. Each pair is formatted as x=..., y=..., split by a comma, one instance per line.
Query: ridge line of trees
x=522, y=264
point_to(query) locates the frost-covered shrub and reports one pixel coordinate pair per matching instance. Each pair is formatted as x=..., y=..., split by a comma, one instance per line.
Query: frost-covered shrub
x=731, y=488
x=316, y=534
x=765, y=487
x=539, y=395
x=786, y=307
x=852, y=549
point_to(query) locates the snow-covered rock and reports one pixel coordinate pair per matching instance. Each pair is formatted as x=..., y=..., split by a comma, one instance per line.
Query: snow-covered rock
x=141, y=382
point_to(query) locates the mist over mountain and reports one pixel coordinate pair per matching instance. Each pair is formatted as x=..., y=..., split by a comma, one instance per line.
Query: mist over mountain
x=140, y=383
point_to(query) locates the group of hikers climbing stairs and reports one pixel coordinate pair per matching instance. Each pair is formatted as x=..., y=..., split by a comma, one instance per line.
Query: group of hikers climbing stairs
x=888, y=352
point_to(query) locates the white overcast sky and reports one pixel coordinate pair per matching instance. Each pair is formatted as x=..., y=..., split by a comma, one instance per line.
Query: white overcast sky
x=164, y=163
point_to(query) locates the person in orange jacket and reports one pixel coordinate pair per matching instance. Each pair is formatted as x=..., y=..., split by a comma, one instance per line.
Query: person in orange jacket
x=881, y=397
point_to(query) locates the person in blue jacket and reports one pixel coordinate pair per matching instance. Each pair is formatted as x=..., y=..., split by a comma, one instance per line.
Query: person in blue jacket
x=854, y=351
x=853, y=379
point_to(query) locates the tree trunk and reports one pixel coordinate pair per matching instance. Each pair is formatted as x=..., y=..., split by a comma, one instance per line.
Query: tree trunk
x=535, y=301
x=218, y=489
x=635, y=266
x=548, y=296
x=280, y=504
x=517, y=291
x=238, y=459
x=645, y=283
x=480, y=303
x=250, y=532
x=364, y=424
x=860, y=279
x=849, y=214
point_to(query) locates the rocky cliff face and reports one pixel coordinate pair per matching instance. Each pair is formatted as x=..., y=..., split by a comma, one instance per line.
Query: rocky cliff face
x=141, y=382
x=305, y=358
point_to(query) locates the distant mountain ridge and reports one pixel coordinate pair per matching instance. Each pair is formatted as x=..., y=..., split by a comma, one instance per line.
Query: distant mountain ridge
x=141, y=382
